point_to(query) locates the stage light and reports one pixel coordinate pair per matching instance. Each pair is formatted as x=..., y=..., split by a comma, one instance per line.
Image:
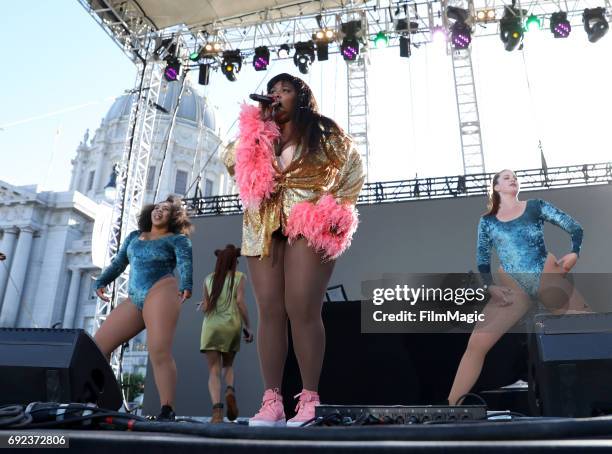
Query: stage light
x=438, y=34
x=231, y=64
x=559, y=25
x=304, y=56
x=322, y=38
x=261, y=60
x=283, y=51
x=173, y=69
x=211, y=48
x=381, y=40
x=533, y=23
x=349, y=49
x=204, y=74
x=351, y=32
x=510, y=28
x=461, y=35
x=195, y=55
x=595, y=23
x=404, y=46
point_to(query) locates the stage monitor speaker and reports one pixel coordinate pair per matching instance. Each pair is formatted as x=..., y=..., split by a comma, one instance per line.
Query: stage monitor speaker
x=55, y=365
x=570, y=365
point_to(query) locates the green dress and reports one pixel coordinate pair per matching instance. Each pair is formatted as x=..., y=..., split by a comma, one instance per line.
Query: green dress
x=222, y=327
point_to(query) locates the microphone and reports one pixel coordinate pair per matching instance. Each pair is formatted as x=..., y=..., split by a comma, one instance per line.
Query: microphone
x=261, y=98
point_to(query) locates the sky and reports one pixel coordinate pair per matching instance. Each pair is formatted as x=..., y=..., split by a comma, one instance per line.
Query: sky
x=66, y=72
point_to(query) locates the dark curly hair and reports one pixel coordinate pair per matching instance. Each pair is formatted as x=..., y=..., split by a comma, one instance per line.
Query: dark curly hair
x=311, y=128
x=179, y=221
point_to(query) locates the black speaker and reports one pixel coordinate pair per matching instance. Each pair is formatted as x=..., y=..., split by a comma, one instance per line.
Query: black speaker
x=55, y=365
x=570, y=365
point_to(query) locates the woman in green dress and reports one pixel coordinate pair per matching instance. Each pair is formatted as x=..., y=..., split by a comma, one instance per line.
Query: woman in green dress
x=225, y=317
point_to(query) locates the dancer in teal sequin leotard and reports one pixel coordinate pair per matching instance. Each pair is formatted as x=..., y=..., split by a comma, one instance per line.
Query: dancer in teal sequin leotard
x=155, y=296
x=515, y=229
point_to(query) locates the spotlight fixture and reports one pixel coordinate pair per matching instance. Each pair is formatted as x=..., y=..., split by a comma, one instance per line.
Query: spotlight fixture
x=304, y=56
x=349, y=49
x=461, y=35
x=403, y=26
x=461, y=32
x=438, y=34
x=510, y=28
x=211, y=48
x=595, y=23
x=231, y=64
x=283, y=51
x=533, y=23
x=351, y=32
x=195, y=55
x=322, y=38
x=381, y=40
x=173, y=69
x=485, y=15
x=559, y=25
x=404, y=45
x=261, y=60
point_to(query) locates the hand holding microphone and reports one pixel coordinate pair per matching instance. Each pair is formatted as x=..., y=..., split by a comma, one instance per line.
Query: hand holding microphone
x=269, y=106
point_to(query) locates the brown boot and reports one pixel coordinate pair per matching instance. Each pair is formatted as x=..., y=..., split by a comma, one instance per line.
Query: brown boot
x=230, y=401
x=217, y=414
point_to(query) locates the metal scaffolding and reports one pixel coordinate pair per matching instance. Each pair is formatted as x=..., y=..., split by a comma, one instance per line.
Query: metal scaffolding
x=357, y=96
x=467, y=108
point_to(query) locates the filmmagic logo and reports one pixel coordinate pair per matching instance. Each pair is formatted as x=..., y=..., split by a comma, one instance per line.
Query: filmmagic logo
x=411, y=295
x=429, y=316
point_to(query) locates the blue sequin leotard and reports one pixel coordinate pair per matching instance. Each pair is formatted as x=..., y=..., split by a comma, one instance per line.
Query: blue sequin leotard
x=150, y=260
x=519, y=243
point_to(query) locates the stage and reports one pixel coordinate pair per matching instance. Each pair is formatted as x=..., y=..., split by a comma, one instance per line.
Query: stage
x=533, y=435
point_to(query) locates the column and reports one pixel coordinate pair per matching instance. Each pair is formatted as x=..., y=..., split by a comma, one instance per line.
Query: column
x=12, y=297
x=73, y=298
x=8, y=243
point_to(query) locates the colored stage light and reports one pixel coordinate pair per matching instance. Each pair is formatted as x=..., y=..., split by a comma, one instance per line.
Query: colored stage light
x=461, y=35
x=510, y=29
x=595, y=23
x=559, y=25
x=261, y=59
x=381, y=40
x=349, y=49
x=533, y=23
x=173, y=69
x=304, y=56
x=231, y=64
x=438, y=34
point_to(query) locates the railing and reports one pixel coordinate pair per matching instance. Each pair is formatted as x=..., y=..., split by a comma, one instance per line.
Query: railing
x=434, y=188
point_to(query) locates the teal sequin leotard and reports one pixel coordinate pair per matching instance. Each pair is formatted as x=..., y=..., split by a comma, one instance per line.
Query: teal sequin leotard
x=150, y=260
x=519, y=243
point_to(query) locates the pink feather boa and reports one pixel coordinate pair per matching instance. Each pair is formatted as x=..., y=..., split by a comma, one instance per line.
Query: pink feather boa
x=254, y=170
x=327, y=226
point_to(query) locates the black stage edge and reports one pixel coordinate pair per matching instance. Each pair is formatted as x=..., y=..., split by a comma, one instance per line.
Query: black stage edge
x=526, y=436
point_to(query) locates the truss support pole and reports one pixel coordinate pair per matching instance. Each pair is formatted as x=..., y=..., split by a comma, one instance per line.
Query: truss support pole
x=467, y=109
x=357, y=83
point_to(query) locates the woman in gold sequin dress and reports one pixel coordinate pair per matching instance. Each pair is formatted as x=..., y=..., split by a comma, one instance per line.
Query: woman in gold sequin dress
x=299, y=177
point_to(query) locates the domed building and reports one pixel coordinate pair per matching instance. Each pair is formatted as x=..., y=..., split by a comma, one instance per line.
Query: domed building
x=188, y=151
x=48, y=277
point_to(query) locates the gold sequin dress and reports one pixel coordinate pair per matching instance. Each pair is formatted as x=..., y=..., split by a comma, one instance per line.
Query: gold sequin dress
x=335, y=169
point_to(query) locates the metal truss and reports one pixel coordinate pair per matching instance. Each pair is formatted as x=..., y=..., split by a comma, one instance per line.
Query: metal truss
x=357, y=87
x=435, y=188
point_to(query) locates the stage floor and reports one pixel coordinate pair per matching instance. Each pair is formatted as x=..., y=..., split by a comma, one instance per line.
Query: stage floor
x=525, y=436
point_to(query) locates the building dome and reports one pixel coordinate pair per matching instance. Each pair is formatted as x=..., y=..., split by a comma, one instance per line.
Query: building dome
x=193, y=107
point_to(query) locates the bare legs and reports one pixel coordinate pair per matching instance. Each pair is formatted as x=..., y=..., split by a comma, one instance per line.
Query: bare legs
x=269, y=287
x=306, y=280
x=160, y=315
x=556, y=293
x=290, y=285
x=214, y=373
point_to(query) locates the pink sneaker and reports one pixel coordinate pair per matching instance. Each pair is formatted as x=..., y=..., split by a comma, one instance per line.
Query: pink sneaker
x=305, y=408
x=271, y=413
